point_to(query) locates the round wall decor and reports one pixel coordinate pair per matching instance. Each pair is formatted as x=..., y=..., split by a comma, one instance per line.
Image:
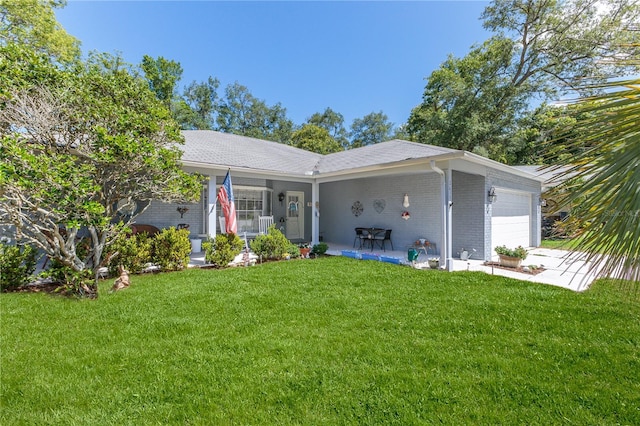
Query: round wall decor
x=357, y=208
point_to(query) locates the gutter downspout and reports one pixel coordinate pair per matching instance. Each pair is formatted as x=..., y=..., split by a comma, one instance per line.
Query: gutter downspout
x=444, y=259
x=315, y=209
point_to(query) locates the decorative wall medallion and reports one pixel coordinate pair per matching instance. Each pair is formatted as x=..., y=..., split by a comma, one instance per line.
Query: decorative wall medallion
x=126, y=208
x=357, y=208
x=379, y=205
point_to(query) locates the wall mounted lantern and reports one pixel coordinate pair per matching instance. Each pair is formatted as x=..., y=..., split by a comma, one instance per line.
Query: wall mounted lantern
x=281, y=197
x=182, y=210
x=405, y=201
x=491, y=196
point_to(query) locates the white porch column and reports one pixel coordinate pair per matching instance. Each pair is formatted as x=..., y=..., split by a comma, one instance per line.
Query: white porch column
x=315, y=209
x=212, y=216
x=445, y=209
x=449, y=196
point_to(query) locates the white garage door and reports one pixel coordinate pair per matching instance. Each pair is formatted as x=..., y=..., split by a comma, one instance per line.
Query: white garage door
x=511, y=219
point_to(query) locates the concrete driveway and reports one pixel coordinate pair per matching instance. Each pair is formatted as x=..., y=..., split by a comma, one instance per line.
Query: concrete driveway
x=562, y=268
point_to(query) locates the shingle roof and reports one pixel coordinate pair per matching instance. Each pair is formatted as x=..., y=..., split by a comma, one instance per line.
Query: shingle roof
x=381, y=153
x=222, y=149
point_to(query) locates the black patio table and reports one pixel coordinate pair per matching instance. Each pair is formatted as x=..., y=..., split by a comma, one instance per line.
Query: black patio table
x=370, y=234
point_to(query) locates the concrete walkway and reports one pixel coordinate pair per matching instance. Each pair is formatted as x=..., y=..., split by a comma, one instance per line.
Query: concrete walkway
x=562, y=268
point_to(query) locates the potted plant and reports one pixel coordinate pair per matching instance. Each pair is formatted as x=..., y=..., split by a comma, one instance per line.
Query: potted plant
x=305, y=249
x=511, y=258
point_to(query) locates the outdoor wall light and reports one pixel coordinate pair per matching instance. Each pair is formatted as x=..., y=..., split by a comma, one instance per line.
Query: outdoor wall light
x=281, y=197
x=542, y=202
x=491, y=196
x=405, y=201
x=182, y=210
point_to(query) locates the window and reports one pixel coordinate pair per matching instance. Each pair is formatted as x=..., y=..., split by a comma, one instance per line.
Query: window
x=250, y=203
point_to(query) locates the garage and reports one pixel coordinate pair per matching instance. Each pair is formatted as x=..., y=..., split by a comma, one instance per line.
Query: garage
x=511, y=219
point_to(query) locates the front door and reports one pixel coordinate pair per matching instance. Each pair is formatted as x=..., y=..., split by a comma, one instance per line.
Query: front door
x=295, y=215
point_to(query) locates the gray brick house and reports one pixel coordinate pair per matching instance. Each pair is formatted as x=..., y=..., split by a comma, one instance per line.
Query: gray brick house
x=456, y=199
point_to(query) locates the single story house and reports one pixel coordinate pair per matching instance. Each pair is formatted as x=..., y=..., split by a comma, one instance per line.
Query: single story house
x=454, y=199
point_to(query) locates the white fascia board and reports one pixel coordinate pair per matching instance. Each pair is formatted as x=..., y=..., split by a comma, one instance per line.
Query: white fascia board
x=474, y=158
x=412, y=166
x=220, y=170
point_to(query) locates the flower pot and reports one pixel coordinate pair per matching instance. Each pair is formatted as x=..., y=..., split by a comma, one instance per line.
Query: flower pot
x=510, y=262
x=304, y=252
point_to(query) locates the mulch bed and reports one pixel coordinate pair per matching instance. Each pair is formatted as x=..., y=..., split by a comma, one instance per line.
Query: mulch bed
x=530, y=271
x=36, y=287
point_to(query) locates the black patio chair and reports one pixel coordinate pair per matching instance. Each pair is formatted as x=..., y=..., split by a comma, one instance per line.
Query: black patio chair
x=381, y=238
x=359, y=236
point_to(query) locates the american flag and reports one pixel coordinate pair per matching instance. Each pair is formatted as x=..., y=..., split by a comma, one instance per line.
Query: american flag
x=225, y=195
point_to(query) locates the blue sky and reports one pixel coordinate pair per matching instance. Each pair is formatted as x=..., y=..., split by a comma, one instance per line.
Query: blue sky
x=354, y=57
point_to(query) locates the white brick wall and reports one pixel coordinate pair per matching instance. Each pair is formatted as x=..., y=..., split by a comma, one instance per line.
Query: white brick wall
x=165, y=215
x=337, y=222
x=468, y=217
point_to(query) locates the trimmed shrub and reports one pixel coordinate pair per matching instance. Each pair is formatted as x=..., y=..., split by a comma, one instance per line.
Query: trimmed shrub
x=272, y=245
x=293, y=250
x=171, y=249
x=17, y=264
x=222, y=250
x=320, y=248
x=133, y=252
x=71, y=281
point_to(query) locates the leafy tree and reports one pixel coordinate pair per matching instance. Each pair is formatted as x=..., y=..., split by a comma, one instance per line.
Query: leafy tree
x=241, y=113
x=75, y=154
x=201, y=99
x=33, y=23
x=604, y=178
x=315, y=139
x=469, y=103
x=541, y=48
x=370, y=129
x=163, y=76
x=560, y=42
x=537, y=129
x=333, y=122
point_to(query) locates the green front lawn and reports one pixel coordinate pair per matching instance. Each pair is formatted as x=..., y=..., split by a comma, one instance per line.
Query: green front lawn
x=573, y=244
x=326, y=341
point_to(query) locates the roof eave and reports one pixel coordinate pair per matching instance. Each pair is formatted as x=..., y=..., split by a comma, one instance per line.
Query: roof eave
x=478, y=159
x=249, y=170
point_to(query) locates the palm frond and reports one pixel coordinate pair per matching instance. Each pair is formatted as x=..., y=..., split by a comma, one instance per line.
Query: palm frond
x=605, y=178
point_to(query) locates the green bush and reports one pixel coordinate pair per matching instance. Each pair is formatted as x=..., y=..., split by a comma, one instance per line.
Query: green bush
x=17, y=264
x=71, y=281
x=222, y=250
x=171, y=249
x=320, y=248
x=133, y=252
x=293, y=250
x=272, y=245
